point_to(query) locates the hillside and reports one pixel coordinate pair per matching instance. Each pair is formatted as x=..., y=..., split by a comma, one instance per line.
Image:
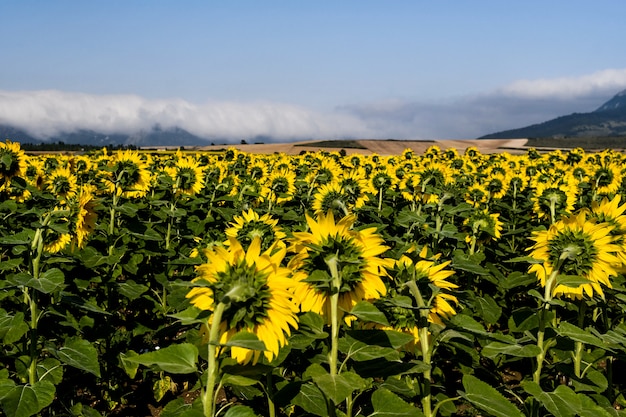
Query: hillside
x=609, y=120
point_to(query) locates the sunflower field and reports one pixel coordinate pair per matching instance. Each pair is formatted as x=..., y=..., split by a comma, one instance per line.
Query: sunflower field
x=234, y=284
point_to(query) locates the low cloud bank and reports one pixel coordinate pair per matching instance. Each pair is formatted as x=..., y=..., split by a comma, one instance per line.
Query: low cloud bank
x=48, y=113
x=44, y=114
x=516, y=105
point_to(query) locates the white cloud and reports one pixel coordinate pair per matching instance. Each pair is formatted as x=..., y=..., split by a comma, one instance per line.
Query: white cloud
x=608, y=80
x=47, y=113
x=516, y=105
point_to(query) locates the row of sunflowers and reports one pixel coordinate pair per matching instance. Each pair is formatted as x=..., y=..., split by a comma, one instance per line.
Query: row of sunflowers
x=236, y=284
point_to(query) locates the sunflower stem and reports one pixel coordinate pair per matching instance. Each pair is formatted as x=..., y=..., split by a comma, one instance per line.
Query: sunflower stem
x=334, y=313
x=542, y=325
x=271, y=408
x=425, y=347
x=209, y=395
x=578, y=350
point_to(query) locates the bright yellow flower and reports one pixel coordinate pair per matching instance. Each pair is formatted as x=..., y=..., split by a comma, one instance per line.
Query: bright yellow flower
x=128, y=175
x=250, y=226
x=257, y=291
x=356, y=253
x=13, y=162
x=575, y=246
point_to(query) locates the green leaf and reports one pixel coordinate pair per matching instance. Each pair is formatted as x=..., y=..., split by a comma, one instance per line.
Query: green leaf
x=464, y=323
x=245, y=340
x=8, y=264
x=488, y=309
x=384, y=338
x=468, y=263
x=12, y=328
x=494, y=349
x=50, y=369
x=572, y=281
x=26, y=400
x=238, y=380
x=517, y=279
x=593, y=380
x=359, y=351
x=178, y=408
x=560, y=403
x=312, y=325
x=487, y=398
x=131, y=290
x=579, y=335
x=367, y=312
x=311, y=399
x=80, y=354
x=339, y=387
x=240, y=411
x=50, y=281
x=178, y=359
x=565, y=402
x=130, y=366
x=388, y=404
x=22, y=238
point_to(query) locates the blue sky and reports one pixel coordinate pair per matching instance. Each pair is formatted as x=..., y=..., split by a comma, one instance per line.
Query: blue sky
x=301, y=69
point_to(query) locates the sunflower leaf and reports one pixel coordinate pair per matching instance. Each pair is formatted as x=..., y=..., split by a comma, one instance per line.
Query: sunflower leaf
x=366, y=311
x=246, y=340
x=177, y=359
x=339, y=387
x=311, y=399
x=577, y=334
x=388, y=404
x=487, y=398
x=494, y=349
x=572, y=281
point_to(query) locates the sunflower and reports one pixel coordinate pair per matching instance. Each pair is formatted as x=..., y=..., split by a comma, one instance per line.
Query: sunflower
x=475, y=195
x=612, y=213
x=280, y=186
x=330, y=198
x=128, y=175
x=554, y=200
x=606, y=179
x=355, y=187
x=188, y=176
x=35, y=174
x=62, y=183
x=382, y=178
x=250, y=226
x=483, y=226
x=256, y=293
x=575, y=246
x=334, y=258
x=85, y=217
x=497, y=184
x=327, y=171
x=13, y=162
x=56, y=234
x=431, y=278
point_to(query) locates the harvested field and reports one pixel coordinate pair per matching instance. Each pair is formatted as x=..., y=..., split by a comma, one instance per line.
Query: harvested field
x=379, y=147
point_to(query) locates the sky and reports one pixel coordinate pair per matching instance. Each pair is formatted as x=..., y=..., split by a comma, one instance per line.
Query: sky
x=299, y=70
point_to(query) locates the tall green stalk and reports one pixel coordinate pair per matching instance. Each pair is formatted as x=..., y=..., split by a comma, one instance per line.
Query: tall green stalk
x=334, y=314
x=543, y=347
x=209, y=395
x=426, y=348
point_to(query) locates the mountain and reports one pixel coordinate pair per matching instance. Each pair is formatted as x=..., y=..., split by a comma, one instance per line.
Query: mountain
x=157, y=136
x=607, y=120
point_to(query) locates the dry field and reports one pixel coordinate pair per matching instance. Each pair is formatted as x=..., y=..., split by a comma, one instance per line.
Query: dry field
x=380, y=147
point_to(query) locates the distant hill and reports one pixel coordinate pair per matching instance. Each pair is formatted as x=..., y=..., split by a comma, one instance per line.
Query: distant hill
x=154, y=137
x=608, y=120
